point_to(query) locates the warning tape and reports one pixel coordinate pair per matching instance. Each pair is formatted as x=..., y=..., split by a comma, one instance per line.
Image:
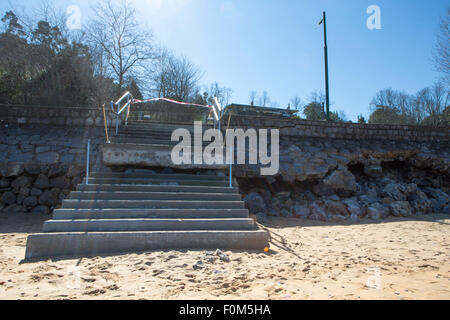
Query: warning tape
x=169, y=100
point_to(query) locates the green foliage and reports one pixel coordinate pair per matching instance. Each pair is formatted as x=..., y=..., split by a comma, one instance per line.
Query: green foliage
x=314, y=111
x=44, y=68
x=133, y=87
x=429, y=106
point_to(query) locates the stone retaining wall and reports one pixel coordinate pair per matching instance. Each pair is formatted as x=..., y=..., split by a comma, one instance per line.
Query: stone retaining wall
x=343, y=130
x=49, y=144
x=36, y=187
x=61, y=116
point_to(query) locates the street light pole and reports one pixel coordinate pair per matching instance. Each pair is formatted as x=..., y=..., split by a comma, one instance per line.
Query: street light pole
x=327, y=90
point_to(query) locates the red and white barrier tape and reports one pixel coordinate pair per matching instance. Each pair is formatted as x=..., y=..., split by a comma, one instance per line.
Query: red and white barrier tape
x=169, y=100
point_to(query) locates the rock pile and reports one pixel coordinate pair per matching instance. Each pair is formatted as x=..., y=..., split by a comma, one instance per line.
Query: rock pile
x=332, y=186
x=36, y=187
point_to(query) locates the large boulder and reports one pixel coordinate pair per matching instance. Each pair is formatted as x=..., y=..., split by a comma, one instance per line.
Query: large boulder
x=394, y=191
x=8, y=198
x=75, y=170
x=301, y=211
x=298, y=167
x=60, y=182
x=40, y=210
x=400, y=209
x=377, y=211
x=372, y=167
x=4, y=182
x=318, y=211
x=31, y=201
x=42, y=182
x=22, y=181
x=342, y=182
x=35, y=192
x=58, y=169
x=354, y=208
x=255, y=203
x=420, y=202
x=49, y=197
x=336, y=208
x=14, y=169
x=32, y=167
x=398, y=192
x=282, y=204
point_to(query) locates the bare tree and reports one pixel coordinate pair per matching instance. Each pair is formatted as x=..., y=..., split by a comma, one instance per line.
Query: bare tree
x=125, y=46
x=252, y=98
x=175, y=78
x=264, y=100
x=296, y=103
x=441, y=52
x=222, y=94
x=317, y=97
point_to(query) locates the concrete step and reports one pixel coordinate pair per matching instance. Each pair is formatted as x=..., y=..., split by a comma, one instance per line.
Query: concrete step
x=147, y=133
x=166, y=133
x=118, y=195
x=153, y=188
x=159, y=176
x=152, y=124
x=156, y=125
x=151, y=204
x=156, y=141
x=146, y=136
x=135, y=181
x=43, y=245
x=68, y=214
x=152, y=132
x=95, y=225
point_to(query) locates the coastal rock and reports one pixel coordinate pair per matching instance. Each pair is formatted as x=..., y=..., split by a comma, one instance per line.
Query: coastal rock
x=342, y=182
x=22, y=181
x=32, y=167
x=14, y=169
x=255, y=203
x=377, y=211
x=301, y=211
x=42, y=182
x=8, y=198
x=40, y=210
x=318, y=211
x=400, y=209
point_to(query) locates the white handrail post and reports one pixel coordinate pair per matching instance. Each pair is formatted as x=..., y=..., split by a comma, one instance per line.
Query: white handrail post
x=87, y=160
x=231, y=167
x=117, y=119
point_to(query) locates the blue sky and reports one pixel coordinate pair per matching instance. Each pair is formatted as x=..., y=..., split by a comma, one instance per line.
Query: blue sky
x=277, y=46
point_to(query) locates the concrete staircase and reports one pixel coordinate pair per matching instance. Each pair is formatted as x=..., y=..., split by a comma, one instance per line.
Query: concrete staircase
x=148, y=144
x=141, y=132
x=133, y=212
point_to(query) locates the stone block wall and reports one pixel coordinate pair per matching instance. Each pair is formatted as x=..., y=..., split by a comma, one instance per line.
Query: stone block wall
x=342, y=130
x=60, y=116
x=36, y=187
x=43, y=153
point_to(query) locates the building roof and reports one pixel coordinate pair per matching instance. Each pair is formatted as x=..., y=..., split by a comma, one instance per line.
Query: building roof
x=248, y=109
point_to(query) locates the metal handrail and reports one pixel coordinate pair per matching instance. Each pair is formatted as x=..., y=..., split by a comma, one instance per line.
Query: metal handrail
x=216, y=109
x=120, y=110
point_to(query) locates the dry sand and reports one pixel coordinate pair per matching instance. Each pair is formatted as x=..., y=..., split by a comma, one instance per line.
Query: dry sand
x=308, y=260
